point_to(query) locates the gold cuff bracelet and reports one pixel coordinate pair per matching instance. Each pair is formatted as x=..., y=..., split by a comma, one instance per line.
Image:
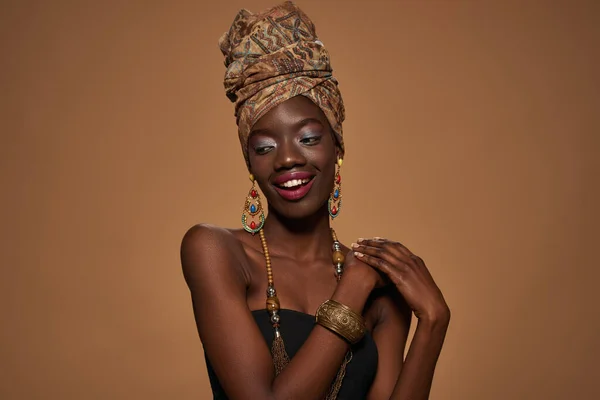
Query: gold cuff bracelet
x=341, y=320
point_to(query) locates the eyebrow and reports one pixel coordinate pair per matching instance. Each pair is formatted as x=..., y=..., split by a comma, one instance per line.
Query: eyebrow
x=307, y=121
x=297, y=125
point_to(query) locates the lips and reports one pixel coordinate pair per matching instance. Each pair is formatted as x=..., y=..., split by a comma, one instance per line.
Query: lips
x=293, y=185
x=288, y=176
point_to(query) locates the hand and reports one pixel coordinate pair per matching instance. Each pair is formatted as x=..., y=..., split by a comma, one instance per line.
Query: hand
x=410, y=275
x=363, y=271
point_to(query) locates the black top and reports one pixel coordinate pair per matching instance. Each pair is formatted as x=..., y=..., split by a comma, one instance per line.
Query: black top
x=295, y=328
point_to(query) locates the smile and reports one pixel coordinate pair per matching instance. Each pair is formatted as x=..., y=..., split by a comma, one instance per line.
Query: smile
x=294, y=189
x=294, y=183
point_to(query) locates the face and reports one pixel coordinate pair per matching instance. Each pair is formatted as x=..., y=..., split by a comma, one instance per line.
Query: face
x=292, y=156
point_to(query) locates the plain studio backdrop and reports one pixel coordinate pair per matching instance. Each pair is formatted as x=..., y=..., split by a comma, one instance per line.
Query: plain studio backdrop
x=473, y=137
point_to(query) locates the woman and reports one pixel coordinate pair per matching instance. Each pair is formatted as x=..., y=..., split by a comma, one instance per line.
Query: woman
x=336, y=319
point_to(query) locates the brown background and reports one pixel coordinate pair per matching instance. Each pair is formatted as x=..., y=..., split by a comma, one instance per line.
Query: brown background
x=472, y=134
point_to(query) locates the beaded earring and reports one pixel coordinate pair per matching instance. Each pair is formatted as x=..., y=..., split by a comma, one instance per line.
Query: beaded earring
x=335, y=198
x=253, y=216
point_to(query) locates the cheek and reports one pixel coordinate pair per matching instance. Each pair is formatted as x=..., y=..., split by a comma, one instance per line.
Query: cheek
x=328, y=174
x=324, y=154
x=257, y=169
x=262, y=167
x=257, y=164
x=264, y=192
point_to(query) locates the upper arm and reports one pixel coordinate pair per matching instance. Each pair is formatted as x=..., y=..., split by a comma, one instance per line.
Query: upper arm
x=390, y=335
x=211, y=259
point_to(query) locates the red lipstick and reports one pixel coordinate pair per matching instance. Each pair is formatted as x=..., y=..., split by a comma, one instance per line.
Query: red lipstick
x=296, y=192
x=288, y=176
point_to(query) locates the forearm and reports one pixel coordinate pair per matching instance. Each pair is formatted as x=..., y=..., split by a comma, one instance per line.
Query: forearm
x=414, y=382
x=313, y=368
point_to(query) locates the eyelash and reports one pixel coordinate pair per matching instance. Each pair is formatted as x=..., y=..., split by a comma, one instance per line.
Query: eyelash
x=310, y=141
x=263, y=150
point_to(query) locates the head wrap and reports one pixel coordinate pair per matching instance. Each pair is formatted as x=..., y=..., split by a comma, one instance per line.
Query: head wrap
x=273, y=56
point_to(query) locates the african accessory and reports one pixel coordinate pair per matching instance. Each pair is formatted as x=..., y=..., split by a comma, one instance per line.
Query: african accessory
x=273, y=56
x=340, y=319
x=253, y=216
x=335, y=198
x=331, y=314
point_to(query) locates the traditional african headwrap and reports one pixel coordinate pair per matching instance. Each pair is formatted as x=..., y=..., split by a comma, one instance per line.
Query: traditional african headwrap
x=273, y=56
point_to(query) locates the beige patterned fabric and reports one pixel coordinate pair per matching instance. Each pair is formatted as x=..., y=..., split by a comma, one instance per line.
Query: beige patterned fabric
x=273, y=56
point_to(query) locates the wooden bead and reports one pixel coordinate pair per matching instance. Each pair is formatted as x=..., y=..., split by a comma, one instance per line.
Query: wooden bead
x=273, y=303
x=333, y=235
x=338, y=257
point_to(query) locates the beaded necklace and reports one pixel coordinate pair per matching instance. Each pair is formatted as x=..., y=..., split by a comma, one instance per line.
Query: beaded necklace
x=280, y=356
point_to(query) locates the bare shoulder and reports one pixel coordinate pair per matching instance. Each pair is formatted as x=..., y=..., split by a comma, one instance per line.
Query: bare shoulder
x=210, y=251
x=207, y=235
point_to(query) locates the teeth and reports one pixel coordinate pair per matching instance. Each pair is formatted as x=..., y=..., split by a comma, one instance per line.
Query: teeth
x=294, y=182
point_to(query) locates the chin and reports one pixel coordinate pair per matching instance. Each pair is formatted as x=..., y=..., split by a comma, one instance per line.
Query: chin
x=298, y=210
x=300, y=213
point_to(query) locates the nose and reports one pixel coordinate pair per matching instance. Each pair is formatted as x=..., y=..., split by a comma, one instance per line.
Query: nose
x=289, y=155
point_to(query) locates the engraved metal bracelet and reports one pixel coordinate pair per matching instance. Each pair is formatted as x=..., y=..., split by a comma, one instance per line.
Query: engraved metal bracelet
x=341, y=320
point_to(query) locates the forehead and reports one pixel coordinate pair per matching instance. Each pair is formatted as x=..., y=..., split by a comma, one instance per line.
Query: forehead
x=289, y=113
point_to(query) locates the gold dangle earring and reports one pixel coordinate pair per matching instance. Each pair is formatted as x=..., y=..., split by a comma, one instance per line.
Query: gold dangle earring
x=335, y=198
x=253, y=216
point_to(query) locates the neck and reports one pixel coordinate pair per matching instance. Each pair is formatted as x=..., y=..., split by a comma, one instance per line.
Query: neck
x=303, y=239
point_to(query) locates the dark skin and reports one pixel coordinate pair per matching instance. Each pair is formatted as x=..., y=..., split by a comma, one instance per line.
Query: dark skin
x=225, y=271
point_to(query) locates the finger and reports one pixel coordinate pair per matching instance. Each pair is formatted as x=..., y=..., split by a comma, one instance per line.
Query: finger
x=380, y=252
x=382, y=242
x=396, y=248
x=375, y=241
x=380, y=265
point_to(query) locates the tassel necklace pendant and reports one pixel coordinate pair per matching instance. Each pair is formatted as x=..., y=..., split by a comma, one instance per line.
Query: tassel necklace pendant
x=278, y=352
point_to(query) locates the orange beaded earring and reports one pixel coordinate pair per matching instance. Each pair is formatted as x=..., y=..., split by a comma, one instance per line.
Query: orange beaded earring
x=253, y=216
x=335, y=199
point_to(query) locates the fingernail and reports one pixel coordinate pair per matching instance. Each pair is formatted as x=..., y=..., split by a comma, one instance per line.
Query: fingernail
x=361, y=239
x=357, y=254
x=354, y=245
x=377, y=238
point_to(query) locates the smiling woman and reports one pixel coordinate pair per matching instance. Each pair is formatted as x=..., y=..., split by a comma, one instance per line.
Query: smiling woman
x=336, y=323
x=294, y=139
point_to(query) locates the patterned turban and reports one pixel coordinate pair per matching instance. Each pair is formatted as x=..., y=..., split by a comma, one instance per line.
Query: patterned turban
x=273, y=56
